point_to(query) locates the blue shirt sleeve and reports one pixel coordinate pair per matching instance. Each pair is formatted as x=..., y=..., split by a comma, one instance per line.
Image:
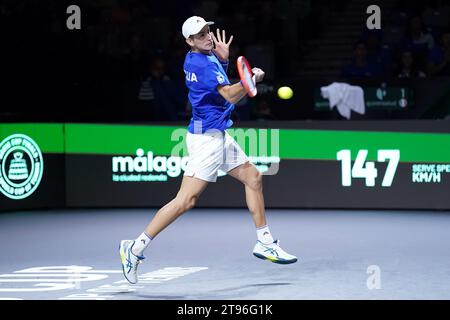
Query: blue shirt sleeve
x=223, y=63
x=214, y=76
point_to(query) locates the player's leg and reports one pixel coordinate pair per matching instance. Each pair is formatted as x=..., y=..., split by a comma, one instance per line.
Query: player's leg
x=266, y=247
x=131, y=251
x=252, y=180
x=187, y=196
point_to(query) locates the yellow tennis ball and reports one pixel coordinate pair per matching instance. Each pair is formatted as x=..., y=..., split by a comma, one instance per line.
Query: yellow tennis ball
x=285, y=93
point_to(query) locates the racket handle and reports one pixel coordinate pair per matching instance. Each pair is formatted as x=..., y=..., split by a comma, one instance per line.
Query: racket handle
x=254, y=79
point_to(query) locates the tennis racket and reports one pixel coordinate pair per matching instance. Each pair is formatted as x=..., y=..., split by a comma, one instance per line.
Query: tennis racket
x=247, y=76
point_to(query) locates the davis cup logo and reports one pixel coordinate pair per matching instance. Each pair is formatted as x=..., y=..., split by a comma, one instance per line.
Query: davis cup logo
x=21, y=166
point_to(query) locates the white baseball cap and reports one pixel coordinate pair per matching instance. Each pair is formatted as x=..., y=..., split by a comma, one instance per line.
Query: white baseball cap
x=194, y=25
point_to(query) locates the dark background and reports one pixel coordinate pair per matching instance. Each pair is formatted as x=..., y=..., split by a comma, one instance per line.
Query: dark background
x=125, y=64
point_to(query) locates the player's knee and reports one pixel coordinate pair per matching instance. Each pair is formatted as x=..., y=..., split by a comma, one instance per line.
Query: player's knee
x=192, y=201
x=256, y=181
x=189, y=202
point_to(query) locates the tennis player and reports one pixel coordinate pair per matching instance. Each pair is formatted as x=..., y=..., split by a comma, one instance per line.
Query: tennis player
x=209, y=146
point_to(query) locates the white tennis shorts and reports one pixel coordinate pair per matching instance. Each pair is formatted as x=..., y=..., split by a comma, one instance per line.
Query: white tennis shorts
x=210, y=152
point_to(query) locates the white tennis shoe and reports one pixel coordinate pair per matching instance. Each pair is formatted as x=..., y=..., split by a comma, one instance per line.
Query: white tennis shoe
x=273, y=252
x=129, y=261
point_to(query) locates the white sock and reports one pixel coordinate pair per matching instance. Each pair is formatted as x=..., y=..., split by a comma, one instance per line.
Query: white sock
x=264, y=234
x=141, y=243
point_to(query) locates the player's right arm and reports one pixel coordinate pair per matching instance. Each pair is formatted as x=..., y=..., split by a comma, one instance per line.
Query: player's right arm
x=234, y=93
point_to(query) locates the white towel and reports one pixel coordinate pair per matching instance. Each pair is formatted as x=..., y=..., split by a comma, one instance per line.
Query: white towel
x=345, y=98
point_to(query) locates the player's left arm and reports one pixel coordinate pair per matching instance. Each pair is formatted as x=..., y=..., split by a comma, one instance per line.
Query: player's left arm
x=222, y=47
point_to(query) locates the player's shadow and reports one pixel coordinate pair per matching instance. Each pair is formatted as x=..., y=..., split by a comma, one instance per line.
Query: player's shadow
x=223, y=293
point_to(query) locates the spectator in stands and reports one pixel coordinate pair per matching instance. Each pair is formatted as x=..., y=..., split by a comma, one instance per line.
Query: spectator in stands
x=175, y=58
x=135, y=59
x=408, y=67
x=360, y=67
x=156, y=72
x=157, y=92
x=418, y=40
x=439, y=57
x=377, y=54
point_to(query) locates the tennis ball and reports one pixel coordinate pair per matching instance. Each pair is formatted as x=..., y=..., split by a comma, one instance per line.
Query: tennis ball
x=285, y=93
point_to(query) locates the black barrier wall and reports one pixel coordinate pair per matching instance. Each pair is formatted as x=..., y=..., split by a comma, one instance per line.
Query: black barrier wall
x=364, y=164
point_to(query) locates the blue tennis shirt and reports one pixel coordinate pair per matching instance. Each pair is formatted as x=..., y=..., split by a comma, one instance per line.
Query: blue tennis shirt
x=209, y=109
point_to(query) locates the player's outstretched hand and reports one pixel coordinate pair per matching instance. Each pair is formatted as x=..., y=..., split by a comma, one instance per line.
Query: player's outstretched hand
x=222, y=49
x=259, y=74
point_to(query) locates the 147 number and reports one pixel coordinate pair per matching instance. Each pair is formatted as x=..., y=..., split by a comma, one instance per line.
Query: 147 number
x=366, y=169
